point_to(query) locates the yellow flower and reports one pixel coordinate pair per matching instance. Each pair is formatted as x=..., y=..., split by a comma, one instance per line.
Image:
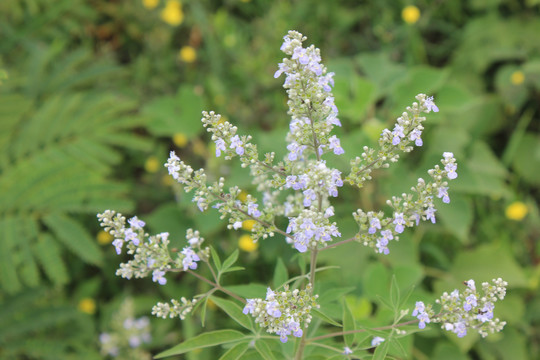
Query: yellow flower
x=152, y=164
x=150, y=4
x=187, y=54
x=87, y=305
x=247, y=244
x=242, y=196
x=517, y=77
x=516, y=211
x=410, y=14
x=248, y=225
x=172, y=13
x=180, y=140
x=104, y=238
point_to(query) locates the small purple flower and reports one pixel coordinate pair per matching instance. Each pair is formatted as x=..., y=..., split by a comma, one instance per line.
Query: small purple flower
x=309, y=196
x=296, y=150
x=430, y=105
x=460, y=329
x=470, y=301
x=250, y=306
x=419, y=308
x=252, y=210
x=430, y=213
x=451, y=171
x=398, y=134
x=272, y=309
x=136, y=223
x=424, y=318
x=335, y=145
x=374, y=224
x=347, y=351
x=220, y=146
x=190, y=259
x=443, y=193
x=237, y=144
x=415, y=136
x=157, y=276
x=118, y=243
x=399, y=222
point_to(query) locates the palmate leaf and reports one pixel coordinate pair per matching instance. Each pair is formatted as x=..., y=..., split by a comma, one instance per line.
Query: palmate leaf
x=56, y=163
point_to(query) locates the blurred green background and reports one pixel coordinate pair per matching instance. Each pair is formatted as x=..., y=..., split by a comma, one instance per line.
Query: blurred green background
x=94, y=94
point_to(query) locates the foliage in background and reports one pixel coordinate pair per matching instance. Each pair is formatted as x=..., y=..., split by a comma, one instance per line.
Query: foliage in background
x=97, y=93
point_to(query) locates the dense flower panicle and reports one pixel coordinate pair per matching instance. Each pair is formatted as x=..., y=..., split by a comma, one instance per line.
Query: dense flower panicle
x=177, y=308
x=150, y=253
x=284, y=313
x=470, y=309
x=407, y=129
x=311, y=103
x=309, y=229
x=376, y=231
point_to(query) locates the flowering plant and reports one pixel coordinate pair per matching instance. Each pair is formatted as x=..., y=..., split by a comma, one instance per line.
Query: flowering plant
x=299, y=188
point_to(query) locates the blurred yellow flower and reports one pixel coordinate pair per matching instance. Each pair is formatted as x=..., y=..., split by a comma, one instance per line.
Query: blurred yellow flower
x=516, y=211
x=180, y=140
x=152, y=164
x=247, y=244
x=150, y=4
x=172, y=13
x=187, y=54
x=517, y=77
x=410, y=14
x=242, y=196
x=104, y=238
x=248, y=225
x=87, y=305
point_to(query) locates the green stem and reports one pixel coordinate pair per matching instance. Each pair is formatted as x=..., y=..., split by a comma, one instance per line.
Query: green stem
x=217, y=286
x=341, y=333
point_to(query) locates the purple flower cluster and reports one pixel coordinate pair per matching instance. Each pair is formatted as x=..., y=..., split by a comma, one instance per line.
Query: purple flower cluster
x=283, y=312
x=132, y=234
x=317, y=181
x=310, y=229
x=468, y=310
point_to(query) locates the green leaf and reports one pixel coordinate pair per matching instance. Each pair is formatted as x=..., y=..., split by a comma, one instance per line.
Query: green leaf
x=348, y=324
x=47, y=253
x=394, y=292
x=230, y=260
x=208, y=339
x=215, y=258
x=457, y=216
x=233, y=269
x=280, y=274
x=248, y=291
x=235, y=352
x=264, y=350
x=203, y=310
x=382, y=350
x=74, y=237
x=526, y=160
x=321, y=315
x=235, y=312
x=8, y=275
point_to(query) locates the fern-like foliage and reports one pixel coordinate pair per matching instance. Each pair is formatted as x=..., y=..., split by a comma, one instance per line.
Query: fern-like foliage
x=37, y=324
x=57, y=154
